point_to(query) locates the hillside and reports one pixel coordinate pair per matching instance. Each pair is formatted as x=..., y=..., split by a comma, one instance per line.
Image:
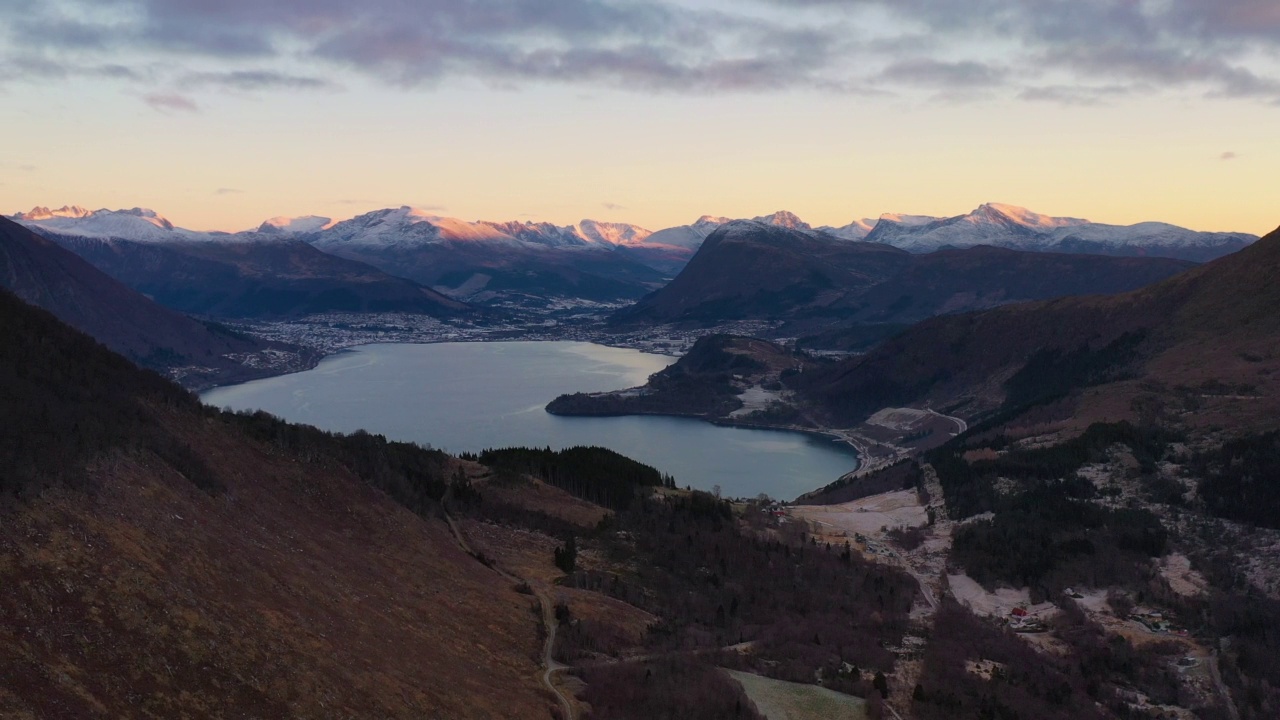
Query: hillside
x=198, y=354
x=749, y=271
x=165, y=559
x=1210, y=332
x=160, y=562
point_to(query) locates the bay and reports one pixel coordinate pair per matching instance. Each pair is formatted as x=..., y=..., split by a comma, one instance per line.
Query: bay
x=465, y=397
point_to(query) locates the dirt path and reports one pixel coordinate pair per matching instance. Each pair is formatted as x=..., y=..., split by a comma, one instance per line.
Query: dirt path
x=549, y=623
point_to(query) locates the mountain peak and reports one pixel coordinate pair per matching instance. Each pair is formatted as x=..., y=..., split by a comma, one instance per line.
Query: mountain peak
x=785, y=219
x=611, y=233
x=43, y=213
x=1000, y=212
x=303, y=224
x=908, y=220
x=131, y=223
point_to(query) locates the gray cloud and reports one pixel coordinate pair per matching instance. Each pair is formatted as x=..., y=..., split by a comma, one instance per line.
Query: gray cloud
x=628, y=43
x=935, y=73
x=258, y=80
x=228, y=191
x=1078, y=94
x=1121, y=45
x=1094, y=50
x=612, y=206
x=1228, y=156
x=170, y=102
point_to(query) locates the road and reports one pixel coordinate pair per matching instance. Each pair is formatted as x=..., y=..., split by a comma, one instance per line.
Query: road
x=961, y=425
x=549, y=624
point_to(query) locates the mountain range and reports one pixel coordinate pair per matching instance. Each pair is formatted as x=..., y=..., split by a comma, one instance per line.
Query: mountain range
x=256, y=274
x=1208, y=336
x=527, y=262
x=752, y=270
x=1021, y=229
x=196, y=353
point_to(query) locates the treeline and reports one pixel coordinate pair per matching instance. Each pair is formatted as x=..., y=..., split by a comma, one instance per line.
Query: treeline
x=595, y=474
x=1241, y=480
x=414, y=476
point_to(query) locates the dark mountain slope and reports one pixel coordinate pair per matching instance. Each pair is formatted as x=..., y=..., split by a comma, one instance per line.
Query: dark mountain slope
x=273, y=277
x=1211, y=332
x=750, y=271
x=481, y=272
x=159, y=562
x=983, y=277
x=199, y=354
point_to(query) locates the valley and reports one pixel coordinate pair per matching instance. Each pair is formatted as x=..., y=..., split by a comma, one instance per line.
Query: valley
x=1044, y=508
x=636, y=360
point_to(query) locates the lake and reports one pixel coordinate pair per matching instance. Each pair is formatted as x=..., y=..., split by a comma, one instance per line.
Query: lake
x=465, y=397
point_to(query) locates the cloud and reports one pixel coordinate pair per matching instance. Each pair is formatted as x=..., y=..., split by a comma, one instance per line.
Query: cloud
x=170, y=102
x=612, y=206
x=1228, y=156
x=1077, y=52
x=250, y=80
x=624, y=43
x=228, y=191
x=935, y=73
x=1084, y=95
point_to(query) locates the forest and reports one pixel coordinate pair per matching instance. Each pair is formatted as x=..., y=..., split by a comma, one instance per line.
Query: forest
x=1050, y=536
x=1241, y=480
x=595, y=474
x=969, y=487
x=66, y=399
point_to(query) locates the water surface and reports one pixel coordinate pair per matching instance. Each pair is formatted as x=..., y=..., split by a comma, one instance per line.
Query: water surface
x=465, y=397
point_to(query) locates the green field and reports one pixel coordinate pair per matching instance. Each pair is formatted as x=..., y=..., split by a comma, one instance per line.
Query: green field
x=779, y=700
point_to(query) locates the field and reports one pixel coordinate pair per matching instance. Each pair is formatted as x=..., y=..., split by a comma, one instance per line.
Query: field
x=778, y=700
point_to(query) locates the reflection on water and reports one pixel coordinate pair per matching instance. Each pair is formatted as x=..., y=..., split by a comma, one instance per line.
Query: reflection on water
x=470, y=396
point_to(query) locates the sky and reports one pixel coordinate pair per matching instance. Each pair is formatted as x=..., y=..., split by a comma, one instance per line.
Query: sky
x=221, y=113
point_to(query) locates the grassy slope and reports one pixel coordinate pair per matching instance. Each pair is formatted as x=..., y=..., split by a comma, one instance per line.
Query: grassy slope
x=287, y=587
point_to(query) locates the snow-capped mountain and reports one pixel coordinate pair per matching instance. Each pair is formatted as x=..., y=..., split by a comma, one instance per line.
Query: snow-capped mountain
x=139, y=224
x=492, y=261
x=407, y=226
x=295, y=225
x=856, y=230
x=1017, y=228
x=613, y=233
x=691, y=236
